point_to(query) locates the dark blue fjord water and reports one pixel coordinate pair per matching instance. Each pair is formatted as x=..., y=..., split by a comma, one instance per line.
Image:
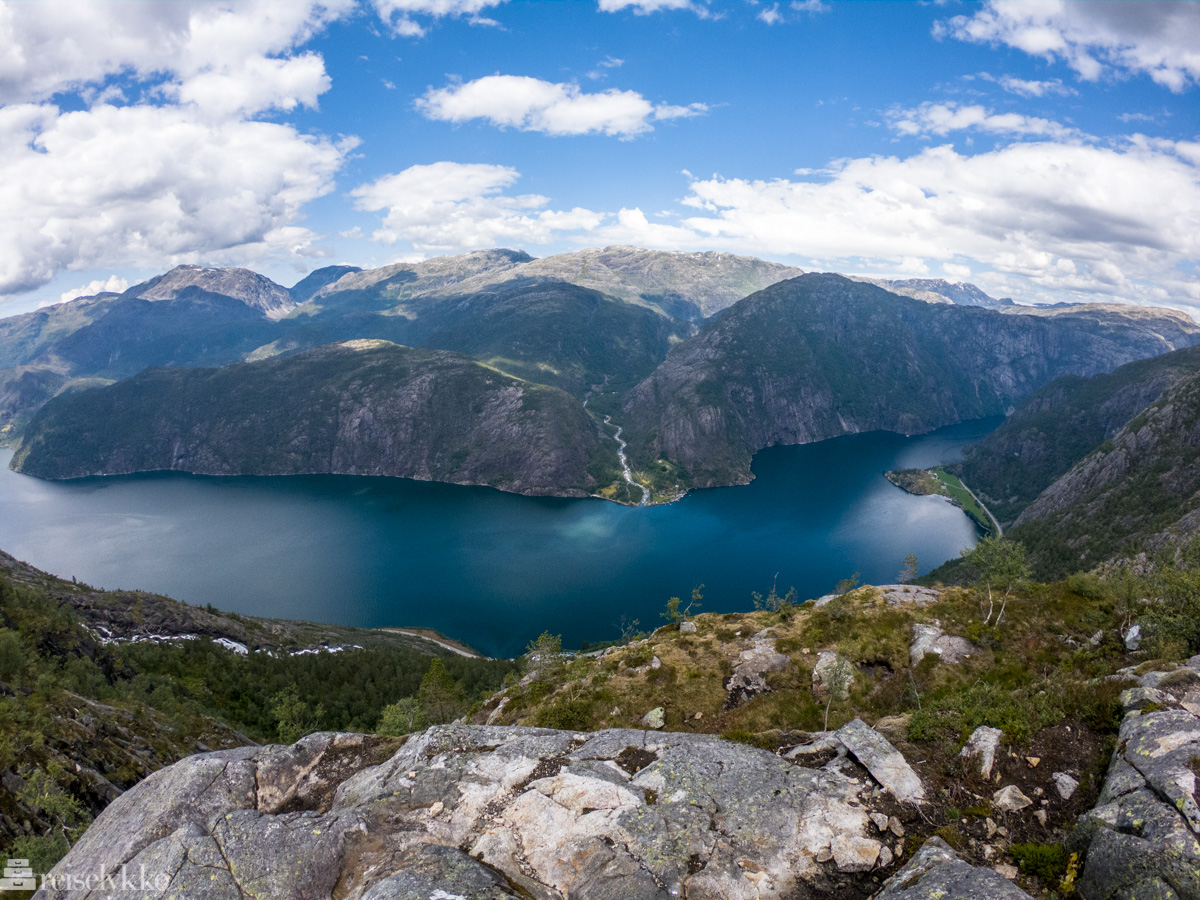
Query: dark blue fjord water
x=490, y=568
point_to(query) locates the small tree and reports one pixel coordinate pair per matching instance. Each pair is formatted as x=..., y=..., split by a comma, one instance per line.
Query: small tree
x=908, y=571
x=401, y=718
x=441, y=697
x=293, y=717
x=773, y=602
x=545, y=655
x=846, y=585
x=673, y=614
x=838, y=679
x=629, y=630
x=1000, y=568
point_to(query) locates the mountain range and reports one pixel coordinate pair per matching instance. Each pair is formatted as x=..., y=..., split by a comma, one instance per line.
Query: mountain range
x=496, y=368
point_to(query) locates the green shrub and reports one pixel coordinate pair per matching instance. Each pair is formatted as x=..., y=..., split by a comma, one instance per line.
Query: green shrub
x=572, y=715
x=1046, y=862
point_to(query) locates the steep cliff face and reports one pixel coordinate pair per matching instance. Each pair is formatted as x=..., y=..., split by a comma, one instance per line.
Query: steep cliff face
x=821, y=355
x=359, y=408
x=1139, y=490
x=1060, y=424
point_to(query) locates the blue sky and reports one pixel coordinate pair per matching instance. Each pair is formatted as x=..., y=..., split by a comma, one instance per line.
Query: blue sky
x=1040, y=149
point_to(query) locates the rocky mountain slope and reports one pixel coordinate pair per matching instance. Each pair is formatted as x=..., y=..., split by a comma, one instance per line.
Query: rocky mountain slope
x=362, y=408
x=821, y=355
x=550, y=332
x=1138, y=491
x=256, y=291
x=1058, y=425
x=937, y=290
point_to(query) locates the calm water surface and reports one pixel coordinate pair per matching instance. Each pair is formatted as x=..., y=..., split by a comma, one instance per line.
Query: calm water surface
x=490, y=568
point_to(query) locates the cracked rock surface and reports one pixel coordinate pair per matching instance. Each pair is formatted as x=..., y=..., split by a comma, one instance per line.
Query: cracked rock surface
x=494, y=812
x=936, y=873
x=1142, y=839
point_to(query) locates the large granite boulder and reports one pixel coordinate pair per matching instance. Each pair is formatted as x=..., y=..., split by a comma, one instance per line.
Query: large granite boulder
x=490, y=812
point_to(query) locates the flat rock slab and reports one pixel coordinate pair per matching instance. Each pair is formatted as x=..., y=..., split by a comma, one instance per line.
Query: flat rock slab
x=936, y=873
x=885, y=763
x=498, y=812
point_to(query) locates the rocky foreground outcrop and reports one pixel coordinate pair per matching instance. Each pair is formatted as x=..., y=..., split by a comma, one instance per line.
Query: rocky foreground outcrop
x=494, y=812
x=1143, y=838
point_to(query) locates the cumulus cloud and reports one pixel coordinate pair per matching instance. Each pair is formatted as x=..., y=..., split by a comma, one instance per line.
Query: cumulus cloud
x=447, y=206
x=530, y=104
x=1041, y=219
x=114, y=284
x=199, y=48
x=943, y=118
x=1118, y=221
x=167, y=164
x=400, y=14
x=1159, y=39
x=143, y=184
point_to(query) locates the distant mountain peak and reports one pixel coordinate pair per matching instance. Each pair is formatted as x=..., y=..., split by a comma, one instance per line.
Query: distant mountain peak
x=937, y=290
x=256, y=291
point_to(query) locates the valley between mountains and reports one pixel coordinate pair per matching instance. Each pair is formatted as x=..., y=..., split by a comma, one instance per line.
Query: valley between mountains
x=474, y=369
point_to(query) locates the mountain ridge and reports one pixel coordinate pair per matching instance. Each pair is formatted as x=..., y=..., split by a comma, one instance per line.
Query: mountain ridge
x=358, y=408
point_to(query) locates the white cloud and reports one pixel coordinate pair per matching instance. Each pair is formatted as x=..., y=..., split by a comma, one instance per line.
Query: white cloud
x=203, y=49
x=144, y=185
x=114, y=283
x=1034, y=220
x=609, y=62
x=770, y=15
x=1026, y=88
x=399, y=14
x=943, y=118
x=530, y=104
x=646, y=7
x=1159, y=39
x=449, y=206
x=182, y=173
x=1126, y=218
x=813, y=6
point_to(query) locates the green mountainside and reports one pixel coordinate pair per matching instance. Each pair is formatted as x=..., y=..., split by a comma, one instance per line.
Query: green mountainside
x=1058, y=425
x=822, y=355
x=550, y=332
x=1137, y=492
x=362, y=408
x=100, y=688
